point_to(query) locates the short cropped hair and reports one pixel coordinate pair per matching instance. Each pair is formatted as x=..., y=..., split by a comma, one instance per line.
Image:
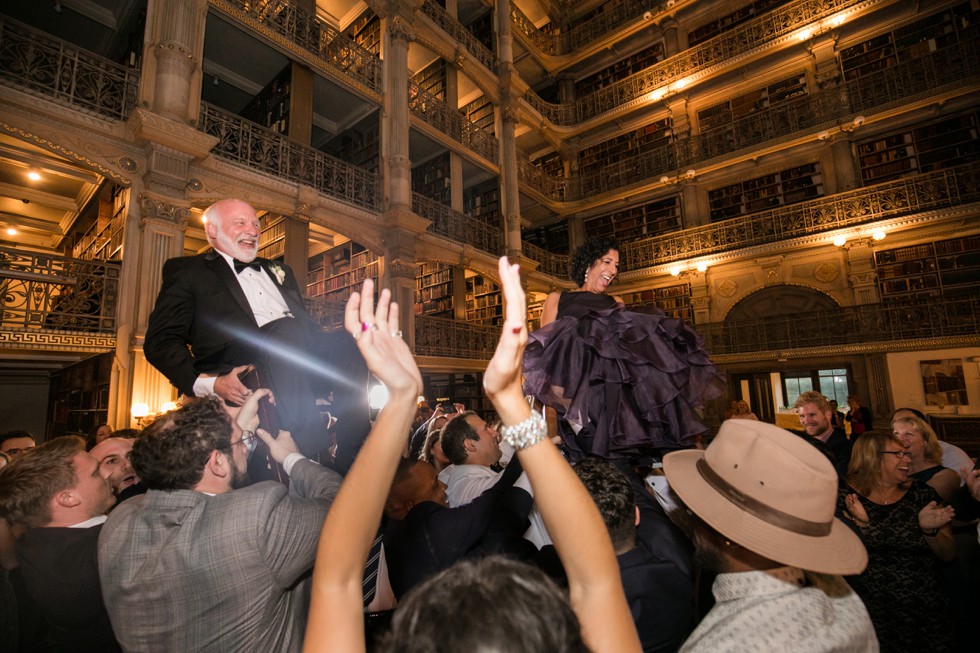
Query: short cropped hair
x=28, y=484
x=587, y=254
x=815, y=398
x=10, y=435
x=488, y=605
x=613, y=495
x=172, y=452
x=454, y=433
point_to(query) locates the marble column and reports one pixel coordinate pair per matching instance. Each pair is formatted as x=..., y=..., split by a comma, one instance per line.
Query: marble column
x=170, y=78
x=396, y=165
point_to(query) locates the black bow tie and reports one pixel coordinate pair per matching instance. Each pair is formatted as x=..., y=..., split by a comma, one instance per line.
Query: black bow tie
x=239, y=266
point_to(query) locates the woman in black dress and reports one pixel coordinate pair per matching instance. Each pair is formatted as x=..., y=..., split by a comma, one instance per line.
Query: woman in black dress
x=907, y=534
x=625, y=384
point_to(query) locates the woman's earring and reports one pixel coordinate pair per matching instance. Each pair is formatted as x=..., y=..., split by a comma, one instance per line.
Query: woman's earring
x=586, y=276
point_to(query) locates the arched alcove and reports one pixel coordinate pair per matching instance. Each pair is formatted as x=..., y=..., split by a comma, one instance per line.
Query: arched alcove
x=781, y=300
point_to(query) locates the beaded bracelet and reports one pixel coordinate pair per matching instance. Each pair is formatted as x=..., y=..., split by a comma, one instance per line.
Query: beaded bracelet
x=527, y=433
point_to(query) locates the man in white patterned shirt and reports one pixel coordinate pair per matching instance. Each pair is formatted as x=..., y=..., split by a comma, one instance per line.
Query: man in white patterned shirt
x=761, y=503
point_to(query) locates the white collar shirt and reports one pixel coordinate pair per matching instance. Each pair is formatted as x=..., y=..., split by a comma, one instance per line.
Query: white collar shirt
x=262, y=292
x=771, y=611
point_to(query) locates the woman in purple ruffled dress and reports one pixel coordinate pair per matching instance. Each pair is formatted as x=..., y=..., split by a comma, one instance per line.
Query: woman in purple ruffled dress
x=625, y=384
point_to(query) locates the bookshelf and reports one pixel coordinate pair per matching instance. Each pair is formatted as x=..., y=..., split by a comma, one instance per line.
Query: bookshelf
x=484, y=301
x=947, y=267
x=432, y=79
x=796, y=184
x=270, y=107
x=644, y=221
x=431, y=178
x=620, y=70
x=272, y=236
x=366, y=31
x=727, y=112
x=103, y=239
x=646, y=138
x=935, y=146
x=458, y=387
x=737, y=17
x=440, y=291
x=482, y=29
x=79, y=397
x=675, y=301
x=334, y=273
x=551, y=164
x=362, y=149
x=552, y=238
x=483, y=203
x=480, y=113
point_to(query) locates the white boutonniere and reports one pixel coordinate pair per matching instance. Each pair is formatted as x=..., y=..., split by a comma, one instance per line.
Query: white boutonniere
x=278, y=273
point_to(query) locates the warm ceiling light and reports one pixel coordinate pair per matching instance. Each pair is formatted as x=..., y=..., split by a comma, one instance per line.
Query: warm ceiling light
x=805, y=34
x=34, y=175
x=878, y=235
x=140, y=410
x=674, y=270
x=839, y=241
x=657, y=95
x=11, y=231
x=837, y=20
x=702, y=267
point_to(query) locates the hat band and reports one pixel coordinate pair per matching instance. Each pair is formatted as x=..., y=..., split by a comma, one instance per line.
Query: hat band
x=758, y=509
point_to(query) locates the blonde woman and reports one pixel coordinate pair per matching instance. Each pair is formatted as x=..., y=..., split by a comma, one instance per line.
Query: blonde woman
x=927, y=456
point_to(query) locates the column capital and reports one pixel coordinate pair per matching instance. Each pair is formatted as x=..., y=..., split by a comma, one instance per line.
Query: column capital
x=161, y=211
x=400, y=29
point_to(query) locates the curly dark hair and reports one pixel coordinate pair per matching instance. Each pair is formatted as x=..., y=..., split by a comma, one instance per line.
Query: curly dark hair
x=492, y=604
x=613, y=495
x=28, y=483
x=172, y=451
x=587, y=254
x=454, y=433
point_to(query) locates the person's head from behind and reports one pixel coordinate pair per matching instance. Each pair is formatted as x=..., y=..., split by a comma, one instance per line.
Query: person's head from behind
x=57, y=483
x=595, y=264
x=115, y=462
x=814, y=413
x=15, y=443
x=432, y=452
x=468, y=440
x=919, y=438
x=415, y=482
x=232, y=227
x=878, y=458
x=909, y=412
x=613, y=495
x=492, y=605
x=175, y=451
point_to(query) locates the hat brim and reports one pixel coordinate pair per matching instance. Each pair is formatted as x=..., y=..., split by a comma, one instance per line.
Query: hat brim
x=839, y=552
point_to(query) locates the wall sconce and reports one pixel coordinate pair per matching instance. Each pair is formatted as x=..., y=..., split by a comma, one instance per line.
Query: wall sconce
x=840, y=241
x=854, y=124
x=878, y=234
x=702, y=267
x=674, y=270
x=140, y=412
x=684, y=176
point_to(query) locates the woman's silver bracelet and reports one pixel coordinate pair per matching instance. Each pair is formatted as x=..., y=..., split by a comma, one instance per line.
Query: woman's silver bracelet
x=526, y=433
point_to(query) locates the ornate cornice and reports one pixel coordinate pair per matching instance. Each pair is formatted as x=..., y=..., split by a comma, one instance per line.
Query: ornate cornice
x=154, y=210
x=50, y=340
x=57, y=146
x=149, y=127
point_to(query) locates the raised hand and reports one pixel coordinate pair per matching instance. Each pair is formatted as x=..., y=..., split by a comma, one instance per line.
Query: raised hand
x=380, y=340
x=503, y=374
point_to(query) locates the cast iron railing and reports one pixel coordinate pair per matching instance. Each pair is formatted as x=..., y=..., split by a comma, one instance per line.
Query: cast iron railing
x=451, y=122
x=259, y=148
x=40, y=64
x=459, y=226
x=616, y=15
x=554, y=264
x=458, y=33
x=437, y=336
x=40, y=291
x=940, y=318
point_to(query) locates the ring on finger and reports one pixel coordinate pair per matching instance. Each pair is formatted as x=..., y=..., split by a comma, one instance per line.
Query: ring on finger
x=367, y=325
x=396, y=334
x=356, y=335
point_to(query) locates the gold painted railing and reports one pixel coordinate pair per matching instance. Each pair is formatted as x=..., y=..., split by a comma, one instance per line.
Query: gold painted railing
x=724, y=50
x=436, y=336
x=303, y=28
x=38, y=291
x=616, y=15
x=263, y=149
x=40, y=64
x=868, y=323
x=554, y=264
x=438, y=114
x=925, y=192
x=948, y=68
x=458, y=33
x=459, y=226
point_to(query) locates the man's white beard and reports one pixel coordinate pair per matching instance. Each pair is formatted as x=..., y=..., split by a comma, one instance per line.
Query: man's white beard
x=236, y=250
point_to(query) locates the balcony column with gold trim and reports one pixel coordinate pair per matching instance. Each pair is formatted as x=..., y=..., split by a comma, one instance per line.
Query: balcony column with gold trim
x=861, y=275
x=455, y=159
x=576, y=233
x=508, y=77
x=824, y=69
x=672, y=44
x=700, y=297
x=173, y=51
x=396, y=166
x=845, y=174
x=296, y=244
x=158, y=229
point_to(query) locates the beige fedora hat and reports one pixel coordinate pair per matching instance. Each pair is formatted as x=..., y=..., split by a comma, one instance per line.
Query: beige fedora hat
x=771, y=492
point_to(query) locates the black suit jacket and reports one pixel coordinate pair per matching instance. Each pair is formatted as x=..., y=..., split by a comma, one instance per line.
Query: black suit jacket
x=201, y=306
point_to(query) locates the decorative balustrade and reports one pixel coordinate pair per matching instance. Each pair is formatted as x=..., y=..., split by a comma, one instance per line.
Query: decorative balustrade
x=925, y=192
x=459, y=226
x=263, y=149
x=436, y=113
x=868, y=323
x=39, y=291
x=722, y=50
x=554, y=264
x=459, y=34
x=616, y=15
x=43, y=65
x=901, y=83
x=437, y=336
x=304, y=29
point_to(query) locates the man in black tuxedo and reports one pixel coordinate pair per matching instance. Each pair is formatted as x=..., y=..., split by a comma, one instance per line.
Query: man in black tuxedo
x=219, y=312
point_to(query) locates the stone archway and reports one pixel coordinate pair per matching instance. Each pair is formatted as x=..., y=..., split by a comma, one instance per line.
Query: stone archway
x=778, y=301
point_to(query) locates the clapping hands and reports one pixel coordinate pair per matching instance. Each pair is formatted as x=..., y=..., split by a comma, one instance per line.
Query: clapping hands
x=934, y=516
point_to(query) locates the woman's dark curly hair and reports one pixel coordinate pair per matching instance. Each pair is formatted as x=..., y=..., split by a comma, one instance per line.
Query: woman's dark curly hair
x=587, y=254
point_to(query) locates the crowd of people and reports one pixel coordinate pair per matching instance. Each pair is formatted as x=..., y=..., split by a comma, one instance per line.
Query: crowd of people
x=596, y=524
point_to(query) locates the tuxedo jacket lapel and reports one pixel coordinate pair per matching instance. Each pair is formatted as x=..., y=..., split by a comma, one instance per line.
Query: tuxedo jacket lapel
x=224, y=272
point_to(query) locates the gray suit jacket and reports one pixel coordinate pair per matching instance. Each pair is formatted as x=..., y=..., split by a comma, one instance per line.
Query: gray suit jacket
x=184, y=571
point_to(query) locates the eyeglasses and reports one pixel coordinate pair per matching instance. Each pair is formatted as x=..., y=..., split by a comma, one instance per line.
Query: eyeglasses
x=899, y=454
x=247, y=438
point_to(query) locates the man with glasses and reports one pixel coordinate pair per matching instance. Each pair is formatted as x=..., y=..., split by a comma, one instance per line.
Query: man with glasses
x=201, y=562
x=14, y=443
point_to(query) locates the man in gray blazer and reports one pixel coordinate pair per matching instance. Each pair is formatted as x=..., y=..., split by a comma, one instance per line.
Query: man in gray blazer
x=202, y=563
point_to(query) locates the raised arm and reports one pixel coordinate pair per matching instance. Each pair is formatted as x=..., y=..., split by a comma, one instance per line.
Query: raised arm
x=569, y=513
x=336, y=621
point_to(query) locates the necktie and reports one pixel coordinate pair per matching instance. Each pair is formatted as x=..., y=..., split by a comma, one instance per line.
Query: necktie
x=370, y=583
x=239, y=266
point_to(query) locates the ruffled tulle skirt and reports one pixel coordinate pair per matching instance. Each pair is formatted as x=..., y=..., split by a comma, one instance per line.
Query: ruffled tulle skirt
x=632, y=381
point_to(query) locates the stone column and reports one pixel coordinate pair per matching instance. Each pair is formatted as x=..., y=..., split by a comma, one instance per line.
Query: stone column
x=396, y=165
x=297, y=241
x=671, y=41
x=173, y=52
x=509, y=196
x=846, y=174
x=861, y=275
x=301, y=104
